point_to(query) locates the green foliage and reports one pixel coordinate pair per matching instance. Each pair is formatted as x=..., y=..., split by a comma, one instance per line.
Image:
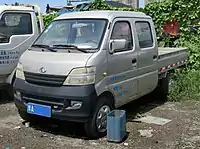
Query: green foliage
x=99, y=4
x=102, y=5
x=194, y=53
x=48, y=19
x=185, y=12
x=186, y=86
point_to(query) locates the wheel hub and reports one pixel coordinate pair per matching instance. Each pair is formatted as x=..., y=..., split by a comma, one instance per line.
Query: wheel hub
x=101, y=119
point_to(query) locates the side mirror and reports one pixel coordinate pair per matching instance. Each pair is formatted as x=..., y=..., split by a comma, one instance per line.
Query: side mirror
x=117, y=45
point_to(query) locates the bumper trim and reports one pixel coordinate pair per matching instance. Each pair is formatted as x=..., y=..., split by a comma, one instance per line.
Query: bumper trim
x=59, y=98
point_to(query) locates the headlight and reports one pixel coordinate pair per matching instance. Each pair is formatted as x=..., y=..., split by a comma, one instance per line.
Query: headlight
x=20, y=71
x=81, y=76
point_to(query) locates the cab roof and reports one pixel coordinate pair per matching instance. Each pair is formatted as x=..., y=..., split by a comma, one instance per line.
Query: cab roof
x=101, y=14
x=15, y=8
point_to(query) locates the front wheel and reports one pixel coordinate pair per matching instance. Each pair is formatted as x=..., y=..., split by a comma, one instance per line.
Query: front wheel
x=97, y=125
x=7, y=93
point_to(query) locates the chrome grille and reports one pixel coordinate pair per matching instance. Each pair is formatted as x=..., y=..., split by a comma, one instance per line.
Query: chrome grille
x=44, y=79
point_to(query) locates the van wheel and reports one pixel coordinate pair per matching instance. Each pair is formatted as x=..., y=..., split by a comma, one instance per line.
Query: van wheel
x=7, y=93
x=97, y=125
x=162, y=90
x=10, y=93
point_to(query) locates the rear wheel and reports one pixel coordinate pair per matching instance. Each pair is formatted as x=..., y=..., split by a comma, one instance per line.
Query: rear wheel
x=97, y=125
x=162, y=90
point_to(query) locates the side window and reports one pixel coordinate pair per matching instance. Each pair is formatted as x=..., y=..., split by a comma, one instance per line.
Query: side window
x=122, y=30
x=144, y=34
x=14, y=24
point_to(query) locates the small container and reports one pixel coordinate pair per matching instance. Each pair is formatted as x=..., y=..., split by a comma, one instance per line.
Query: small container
x=116, y=125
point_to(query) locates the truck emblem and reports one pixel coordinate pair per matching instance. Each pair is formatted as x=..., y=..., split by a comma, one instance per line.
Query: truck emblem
x=43, y=70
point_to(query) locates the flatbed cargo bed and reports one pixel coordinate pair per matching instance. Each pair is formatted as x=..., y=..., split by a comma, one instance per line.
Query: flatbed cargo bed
x=170, y=58
x=169, y=51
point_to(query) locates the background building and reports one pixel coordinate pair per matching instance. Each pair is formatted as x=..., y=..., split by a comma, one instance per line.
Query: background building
x=136, y=3
x=132, y=3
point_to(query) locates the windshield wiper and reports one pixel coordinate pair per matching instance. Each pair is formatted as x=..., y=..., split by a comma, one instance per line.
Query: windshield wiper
x=69, y=47
x=44, y=46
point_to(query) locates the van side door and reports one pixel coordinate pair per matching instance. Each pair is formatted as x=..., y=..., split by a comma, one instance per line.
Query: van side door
x=147, y=55
x=122, y=64
x=18, y=30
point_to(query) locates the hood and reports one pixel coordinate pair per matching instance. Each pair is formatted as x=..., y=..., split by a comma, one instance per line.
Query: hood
x=54, y=63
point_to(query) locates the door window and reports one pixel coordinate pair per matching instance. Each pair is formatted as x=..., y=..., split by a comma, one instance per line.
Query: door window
x=144, y=34
x=122, y=30
x=13, y=23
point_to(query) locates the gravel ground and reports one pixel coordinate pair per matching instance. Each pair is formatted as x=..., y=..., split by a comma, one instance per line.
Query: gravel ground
x=182, y=132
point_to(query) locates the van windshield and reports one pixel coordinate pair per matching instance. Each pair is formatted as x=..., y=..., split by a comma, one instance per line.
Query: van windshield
x=83, y=33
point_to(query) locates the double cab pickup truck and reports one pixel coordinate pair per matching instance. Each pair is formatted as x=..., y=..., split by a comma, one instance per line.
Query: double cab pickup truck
x=85, y=64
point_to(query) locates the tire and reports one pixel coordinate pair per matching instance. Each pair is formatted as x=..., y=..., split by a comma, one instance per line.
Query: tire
x=162, y=90
x=7, y=93
x=91, y=128
x=10, y=93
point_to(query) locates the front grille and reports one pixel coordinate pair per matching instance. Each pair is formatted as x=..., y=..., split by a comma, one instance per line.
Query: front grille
x=44, y=79
x=59, y=102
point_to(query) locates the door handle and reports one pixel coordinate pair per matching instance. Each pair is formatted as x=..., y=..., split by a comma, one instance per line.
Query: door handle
x=155, y=57
x=134, y=60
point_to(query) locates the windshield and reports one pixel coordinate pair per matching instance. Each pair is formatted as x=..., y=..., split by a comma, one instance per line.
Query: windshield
x=82, y=33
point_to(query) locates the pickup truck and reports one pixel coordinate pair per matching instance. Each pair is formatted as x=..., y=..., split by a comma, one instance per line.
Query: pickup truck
x=86, y=64
x=19, y=27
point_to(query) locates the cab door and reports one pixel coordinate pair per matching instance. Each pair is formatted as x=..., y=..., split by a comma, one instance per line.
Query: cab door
x=147, y=55
x=17, y=32
x=122, y=65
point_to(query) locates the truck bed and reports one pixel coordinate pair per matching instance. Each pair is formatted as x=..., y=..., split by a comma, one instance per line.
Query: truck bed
x=170, y=58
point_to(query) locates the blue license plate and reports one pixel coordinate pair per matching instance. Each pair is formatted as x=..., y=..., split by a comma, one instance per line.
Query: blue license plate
x=38, y=109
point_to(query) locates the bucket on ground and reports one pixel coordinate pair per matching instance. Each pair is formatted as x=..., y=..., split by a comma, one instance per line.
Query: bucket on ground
x=116, y=125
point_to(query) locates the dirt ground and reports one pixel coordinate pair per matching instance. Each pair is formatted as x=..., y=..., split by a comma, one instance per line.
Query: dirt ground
x=183, y=132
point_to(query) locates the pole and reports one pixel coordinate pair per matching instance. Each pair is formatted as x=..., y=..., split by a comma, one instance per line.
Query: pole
x=138, y=3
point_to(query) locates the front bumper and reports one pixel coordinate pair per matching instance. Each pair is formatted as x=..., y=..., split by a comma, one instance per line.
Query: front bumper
x=59, y=98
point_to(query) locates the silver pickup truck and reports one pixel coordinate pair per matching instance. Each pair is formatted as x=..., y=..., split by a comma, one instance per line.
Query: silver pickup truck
x=85, y=64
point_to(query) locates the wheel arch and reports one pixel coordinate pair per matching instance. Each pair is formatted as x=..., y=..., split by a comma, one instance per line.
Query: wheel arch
x=109, y=95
